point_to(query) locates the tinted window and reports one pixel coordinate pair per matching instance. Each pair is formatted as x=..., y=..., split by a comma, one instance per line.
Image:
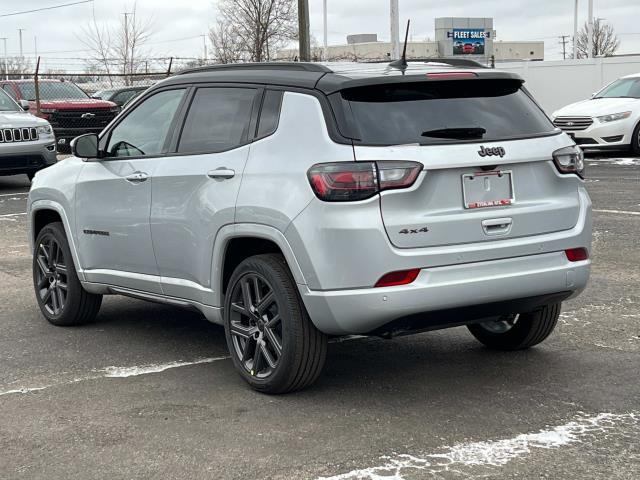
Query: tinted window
x=444, y=112
x=626, y=87
x=270, y=113
x=9, y=90
x=144, y=130
x=51, y=91
x=123, y=97
x=218, y=120
x=7, y=104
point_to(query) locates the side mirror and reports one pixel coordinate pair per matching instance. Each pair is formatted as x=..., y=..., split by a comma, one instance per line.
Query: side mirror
x=24, y=104
x=85, y=146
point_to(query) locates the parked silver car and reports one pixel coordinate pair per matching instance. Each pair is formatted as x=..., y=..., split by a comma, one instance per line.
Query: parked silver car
x=27, y=143
x=293, y=202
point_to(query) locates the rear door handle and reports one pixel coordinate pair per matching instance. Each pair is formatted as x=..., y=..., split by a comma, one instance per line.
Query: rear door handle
x=221, y=173
x=137, y=177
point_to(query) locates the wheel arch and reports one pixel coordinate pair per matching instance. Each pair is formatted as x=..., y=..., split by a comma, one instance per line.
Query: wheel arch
x=234, y=243
x=43, y=212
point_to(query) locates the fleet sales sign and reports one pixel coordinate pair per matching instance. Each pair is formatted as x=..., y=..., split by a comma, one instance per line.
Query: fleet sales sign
x=468, y=41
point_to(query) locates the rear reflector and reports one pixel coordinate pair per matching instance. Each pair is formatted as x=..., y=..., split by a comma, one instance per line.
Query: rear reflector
x=576, y=254
x=451, y=75
x=402, y=277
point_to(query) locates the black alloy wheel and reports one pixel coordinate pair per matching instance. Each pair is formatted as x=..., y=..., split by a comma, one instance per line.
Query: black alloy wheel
x=255, y=325
x=274, y=345
x=60, y=295
x=51, y=275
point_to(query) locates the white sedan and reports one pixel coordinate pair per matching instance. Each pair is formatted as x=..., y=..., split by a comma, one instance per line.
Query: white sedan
x=610, y=119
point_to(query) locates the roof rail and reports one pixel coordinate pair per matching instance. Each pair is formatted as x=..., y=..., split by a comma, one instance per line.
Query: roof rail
x=454, y=62
x=294, y=66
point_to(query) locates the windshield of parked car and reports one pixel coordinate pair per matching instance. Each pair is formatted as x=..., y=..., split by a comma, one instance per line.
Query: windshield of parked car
x=52, y=91
x=444, y=112
x=7, y=104
x=623, y=88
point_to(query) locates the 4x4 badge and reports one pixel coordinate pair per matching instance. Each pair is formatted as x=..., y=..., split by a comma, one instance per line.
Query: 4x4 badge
x=489, y=152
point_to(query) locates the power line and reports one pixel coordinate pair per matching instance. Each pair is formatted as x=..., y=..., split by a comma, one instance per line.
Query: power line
x=45, y=8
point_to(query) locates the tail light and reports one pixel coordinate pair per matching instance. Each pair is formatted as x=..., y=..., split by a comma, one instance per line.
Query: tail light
x=570, y=160
x=402, y=277
x=352, y=181
x=451, y=75
x=576, y=254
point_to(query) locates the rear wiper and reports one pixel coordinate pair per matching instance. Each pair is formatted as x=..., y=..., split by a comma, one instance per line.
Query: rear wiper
x=460, y=133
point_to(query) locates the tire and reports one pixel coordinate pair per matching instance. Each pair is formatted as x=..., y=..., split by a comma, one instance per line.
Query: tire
x=635, y=140
x=59, y=294
x=274, y=345
x=518, y=332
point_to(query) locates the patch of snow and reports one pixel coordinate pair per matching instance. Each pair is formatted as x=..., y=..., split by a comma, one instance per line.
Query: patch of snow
x=492, y=453
x=123, y=372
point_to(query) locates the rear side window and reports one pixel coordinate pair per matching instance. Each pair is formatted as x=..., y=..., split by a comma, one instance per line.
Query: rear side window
x=218, y=120
x=269, y=113
x=444, y=112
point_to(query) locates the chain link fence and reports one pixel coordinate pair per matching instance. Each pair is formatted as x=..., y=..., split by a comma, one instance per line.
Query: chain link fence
x=76, y=104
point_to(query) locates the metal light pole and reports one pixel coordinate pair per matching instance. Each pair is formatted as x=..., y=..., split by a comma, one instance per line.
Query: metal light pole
x=20, y=30
x=575, y=30
x=303, y=31
x=590, y=31
x=325, y=52
x=6, y=67
x=395, y=30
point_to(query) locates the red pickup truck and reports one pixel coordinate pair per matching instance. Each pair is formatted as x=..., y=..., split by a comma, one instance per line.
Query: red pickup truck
x=70, y=110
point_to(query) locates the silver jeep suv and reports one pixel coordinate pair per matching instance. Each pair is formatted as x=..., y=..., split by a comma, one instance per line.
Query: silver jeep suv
x=27, y=143
x=294, y=202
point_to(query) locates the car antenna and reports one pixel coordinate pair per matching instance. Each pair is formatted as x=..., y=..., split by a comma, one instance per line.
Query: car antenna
x=401, y=63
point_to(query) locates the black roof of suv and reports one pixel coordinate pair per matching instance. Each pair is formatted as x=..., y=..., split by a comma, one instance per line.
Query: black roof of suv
x=332, y=77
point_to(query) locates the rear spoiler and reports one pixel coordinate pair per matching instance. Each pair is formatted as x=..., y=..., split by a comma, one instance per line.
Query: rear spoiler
x=329, y=83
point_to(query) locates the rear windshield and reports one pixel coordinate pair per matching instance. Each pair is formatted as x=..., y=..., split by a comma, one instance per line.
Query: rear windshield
x=444, y=112
x=52, y=91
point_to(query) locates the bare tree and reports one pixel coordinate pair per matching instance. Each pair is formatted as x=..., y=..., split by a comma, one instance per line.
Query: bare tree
x=605, y=41
x=249, y=30
x=119, y=49
x=227, y=44
x=16, y=66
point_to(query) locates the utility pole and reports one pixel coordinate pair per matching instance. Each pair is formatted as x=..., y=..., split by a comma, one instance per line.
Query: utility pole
x=204, y=44
x=6, y=67
x=126, y=46
x=563, y=41
x=395, y=30
x=20, y=30
x=590, y=31
x=575, y=30
x=303, y=31
x=325, y=52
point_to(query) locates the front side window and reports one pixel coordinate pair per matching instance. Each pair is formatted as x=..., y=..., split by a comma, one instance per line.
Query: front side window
x=7, y=104
x=51, y=91
x=218, y=120
x=144, y=130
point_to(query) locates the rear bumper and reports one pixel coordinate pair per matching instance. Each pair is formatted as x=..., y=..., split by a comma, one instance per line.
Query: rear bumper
x=360, y=311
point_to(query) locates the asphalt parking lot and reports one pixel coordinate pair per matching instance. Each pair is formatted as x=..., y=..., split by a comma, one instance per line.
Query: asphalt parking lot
x=147, y=391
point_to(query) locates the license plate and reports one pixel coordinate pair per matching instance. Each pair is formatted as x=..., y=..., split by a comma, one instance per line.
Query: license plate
x=487, y=189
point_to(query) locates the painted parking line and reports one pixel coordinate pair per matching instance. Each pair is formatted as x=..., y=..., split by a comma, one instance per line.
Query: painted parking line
x=117, y=372
x=618, y=212
x=494, y=453
x=10, y=215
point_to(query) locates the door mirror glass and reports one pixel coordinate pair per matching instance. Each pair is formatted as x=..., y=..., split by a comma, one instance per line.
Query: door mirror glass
x=85, y=146
x=24, y=104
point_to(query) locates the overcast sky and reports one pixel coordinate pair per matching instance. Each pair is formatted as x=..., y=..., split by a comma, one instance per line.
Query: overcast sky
x=177, y=24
